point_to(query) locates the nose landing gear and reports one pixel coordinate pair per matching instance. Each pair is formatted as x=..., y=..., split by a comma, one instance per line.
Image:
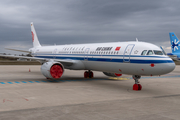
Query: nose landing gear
x=137, y=86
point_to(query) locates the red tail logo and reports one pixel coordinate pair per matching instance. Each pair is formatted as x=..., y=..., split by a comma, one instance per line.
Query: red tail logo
x=32, y=36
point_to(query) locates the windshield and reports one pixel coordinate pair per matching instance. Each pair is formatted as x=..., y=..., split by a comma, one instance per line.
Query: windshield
x=157, y=52
x=150, y=52
x=144, y=52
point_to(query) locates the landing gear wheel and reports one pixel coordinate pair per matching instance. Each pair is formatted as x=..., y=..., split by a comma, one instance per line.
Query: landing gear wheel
x=137, y=86
x=91, y=75
x=88, y=74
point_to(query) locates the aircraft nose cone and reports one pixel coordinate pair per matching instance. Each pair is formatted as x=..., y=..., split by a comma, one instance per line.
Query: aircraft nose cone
x=170, y=67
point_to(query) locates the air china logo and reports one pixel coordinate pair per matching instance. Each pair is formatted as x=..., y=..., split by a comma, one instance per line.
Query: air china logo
x=175, y=44
x=32, y=36
x=117, y=48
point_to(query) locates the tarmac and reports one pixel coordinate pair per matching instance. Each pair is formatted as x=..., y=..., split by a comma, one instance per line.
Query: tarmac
x=25, y=94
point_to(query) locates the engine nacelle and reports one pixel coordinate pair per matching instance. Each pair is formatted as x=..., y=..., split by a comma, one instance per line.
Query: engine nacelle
x=112, y=74
x=52, y=70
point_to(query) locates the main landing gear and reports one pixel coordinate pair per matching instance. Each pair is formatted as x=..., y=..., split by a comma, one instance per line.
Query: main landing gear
x=88, y=74
x=137, y=86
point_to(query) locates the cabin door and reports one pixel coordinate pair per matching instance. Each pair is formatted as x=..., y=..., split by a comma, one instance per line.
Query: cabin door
x=127, y=53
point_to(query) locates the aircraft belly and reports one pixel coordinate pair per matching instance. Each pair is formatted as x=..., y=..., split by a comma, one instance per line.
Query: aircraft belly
x=77, y=65
x=145, y=69
x=129, y=68
x=101, y=66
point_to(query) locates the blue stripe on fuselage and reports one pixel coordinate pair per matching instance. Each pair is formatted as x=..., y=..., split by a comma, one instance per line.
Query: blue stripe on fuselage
x=100, y=55
x=110, y=59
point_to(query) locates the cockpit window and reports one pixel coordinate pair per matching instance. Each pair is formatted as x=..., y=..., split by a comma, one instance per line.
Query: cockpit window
x=144, y=52
x=150, y=52
x=157, y=52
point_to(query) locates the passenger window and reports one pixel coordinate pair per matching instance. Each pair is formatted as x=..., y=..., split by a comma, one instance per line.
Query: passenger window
x=157, y=52
x=150, y=52
x=144, y=52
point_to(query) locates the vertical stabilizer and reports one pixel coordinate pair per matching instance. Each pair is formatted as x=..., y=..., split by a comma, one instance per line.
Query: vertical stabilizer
x=34, y=37
x=175, y=44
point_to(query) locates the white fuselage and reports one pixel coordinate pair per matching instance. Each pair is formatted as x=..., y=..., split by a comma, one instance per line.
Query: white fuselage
x=116, y=57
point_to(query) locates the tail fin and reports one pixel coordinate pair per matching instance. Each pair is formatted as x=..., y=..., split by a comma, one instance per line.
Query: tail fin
x=175, y=44
x=34, y=36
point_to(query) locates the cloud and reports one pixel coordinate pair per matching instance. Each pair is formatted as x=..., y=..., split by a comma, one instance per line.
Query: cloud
x=87, y=21
x=169, y=48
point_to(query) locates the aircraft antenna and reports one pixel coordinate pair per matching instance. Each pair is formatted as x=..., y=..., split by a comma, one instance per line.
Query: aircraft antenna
x=137, y=40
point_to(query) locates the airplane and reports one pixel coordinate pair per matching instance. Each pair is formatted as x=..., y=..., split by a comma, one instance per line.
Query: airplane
x=175, y=47
x=113, y=59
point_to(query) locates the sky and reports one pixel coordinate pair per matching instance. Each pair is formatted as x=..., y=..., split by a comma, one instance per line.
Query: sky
x=87, y=21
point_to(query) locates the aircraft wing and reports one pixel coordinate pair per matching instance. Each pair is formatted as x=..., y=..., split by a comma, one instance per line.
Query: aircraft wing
x=173, y=57
x=17, y=50
x=66, y=62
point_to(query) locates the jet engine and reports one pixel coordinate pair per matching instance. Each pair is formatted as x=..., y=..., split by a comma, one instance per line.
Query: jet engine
x=112, y=74
x=53, y=70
